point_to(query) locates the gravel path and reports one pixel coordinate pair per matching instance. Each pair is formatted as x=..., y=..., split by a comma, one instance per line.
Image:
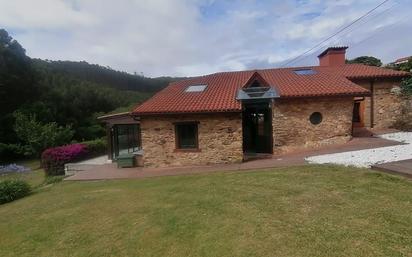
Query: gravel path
x=369, y=157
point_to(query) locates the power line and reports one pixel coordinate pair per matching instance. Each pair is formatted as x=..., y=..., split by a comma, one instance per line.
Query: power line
x=348, y=32
x=402, y=20
x=333, y=35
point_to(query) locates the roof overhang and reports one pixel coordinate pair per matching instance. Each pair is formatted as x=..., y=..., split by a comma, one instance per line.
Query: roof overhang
x=256, y=94
x=119, y=118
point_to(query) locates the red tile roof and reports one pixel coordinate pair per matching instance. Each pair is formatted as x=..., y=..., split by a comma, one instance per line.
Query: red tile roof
x=221, y=90
x=360, y=71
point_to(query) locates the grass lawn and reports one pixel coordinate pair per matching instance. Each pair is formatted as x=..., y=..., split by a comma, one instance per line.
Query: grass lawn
x=298, y=211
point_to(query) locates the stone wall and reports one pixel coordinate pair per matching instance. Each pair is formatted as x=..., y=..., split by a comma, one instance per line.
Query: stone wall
x=387, y=103
x=219, y=135
x=292, y=129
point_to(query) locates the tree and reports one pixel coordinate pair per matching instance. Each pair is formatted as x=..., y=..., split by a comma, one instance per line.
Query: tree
x=406, y=66
x=367, y=60
x=36, y=136
x=406, y=86
x=49, y=97
x=17, y=82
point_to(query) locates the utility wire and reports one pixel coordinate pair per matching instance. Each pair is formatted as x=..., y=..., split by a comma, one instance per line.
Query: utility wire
x=339, y=31
x=377, y=15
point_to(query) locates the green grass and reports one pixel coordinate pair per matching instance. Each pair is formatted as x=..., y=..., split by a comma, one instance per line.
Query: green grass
x=298, y=211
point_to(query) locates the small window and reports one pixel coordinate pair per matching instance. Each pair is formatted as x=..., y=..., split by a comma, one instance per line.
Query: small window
x=196, y=88
x=305, y=72
x=186, y=135
x=255, y=84
x=315, y=118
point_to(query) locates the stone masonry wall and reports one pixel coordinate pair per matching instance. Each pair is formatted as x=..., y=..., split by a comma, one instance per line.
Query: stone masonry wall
x=292, y=129
x=387, y=103
x=219, y=135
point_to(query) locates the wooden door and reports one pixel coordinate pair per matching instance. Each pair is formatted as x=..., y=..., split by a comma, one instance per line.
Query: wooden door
x=358, y=114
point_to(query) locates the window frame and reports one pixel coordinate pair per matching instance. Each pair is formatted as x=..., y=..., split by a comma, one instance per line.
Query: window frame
x=305, y=72
x=133, y=138
x=198, y=88
x=177, y=137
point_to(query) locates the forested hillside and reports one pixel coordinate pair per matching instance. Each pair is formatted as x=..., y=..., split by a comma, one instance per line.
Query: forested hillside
x=103, y=75
x=59, y=100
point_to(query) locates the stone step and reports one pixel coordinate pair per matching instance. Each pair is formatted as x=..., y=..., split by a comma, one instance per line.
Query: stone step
x=256, y=156
x=73, y=168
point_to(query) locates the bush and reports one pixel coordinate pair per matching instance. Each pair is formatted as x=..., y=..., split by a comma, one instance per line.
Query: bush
x=10, y=151
x=406, y=86
x=11, y=190
x=53, y=159
x=96, y=147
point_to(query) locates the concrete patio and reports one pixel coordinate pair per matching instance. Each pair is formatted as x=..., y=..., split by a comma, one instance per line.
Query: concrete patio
x=110, y=171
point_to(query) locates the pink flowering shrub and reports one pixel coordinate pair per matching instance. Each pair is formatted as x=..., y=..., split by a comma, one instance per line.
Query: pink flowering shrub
x=53, y=159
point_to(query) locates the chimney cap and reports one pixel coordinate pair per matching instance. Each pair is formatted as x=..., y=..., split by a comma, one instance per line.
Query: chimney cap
x=336, y=48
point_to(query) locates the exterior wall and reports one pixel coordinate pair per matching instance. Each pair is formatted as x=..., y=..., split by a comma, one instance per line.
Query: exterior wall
x=219, y=135
x=387, y=103
x=292, y=129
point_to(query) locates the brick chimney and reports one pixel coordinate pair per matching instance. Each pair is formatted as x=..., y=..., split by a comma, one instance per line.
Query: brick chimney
x=333, y=56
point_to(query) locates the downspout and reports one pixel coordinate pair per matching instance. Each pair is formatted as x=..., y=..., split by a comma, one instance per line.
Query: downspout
x=109, y=136
x=372, y=103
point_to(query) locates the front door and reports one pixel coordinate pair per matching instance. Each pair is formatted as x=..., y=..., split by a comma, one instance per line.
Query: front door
x=358, y=113
x=257, y=128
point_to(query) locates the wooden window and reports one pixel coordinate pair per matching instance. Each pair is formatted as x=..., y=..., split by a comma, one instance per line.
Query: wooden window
x=186, y=136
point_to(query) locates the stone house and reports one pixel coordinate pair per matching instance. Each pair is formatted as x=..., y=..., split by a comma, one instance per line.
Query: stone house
x=231, y=116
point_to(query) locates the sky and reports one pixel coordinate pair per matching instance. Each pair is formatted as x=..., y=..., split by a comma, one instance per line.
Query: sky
x=195, y=37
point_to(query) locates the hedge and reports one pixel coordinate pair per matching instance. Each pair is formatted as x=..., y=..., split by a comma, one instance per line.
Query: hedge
x=96, y=147
x=11, y=190
x=54, y=159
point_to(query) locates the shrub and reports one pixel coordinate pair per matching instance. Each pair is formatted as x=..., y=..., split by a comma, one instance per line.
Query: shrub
x=11, y=190
x=406, y=86
x=10, y=151
x=53, y=159
x=96, y=147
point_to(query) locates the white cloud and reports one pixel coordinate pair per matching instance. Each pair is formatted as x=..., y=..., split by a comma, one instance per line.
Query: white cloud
x=41, y=14
x=184, y=37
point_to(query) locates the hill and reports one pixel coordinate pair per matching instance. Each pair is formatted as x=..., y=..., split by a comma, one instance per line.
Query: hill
x=65, y=93
x=102, y=75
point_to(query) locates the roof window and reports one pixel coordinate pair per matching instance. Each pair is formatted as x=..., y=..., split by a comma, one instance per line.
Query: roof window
x=305, y=72
x=196, y=88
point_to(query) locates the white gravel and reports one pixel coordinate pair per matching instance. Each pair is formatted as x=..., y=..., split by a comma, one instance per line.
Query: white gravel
x=369, y=157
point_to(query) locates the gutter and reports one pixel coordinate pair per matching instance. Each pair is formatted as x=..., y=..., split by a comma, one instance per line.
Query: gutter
x=372, y=103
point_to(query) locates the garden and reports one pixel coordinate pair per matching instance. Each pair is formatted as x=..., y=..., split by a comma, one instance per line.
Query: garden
x=14, y=177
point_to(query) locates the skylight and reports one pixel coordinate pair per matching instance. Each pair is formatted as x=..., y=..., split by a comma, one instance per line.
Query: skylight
x=196, y=88
x=305, y=72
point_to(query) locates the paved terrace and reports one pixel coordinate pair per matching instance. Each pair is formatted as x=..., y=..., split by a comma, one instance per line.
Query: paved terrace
x=110, y=171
